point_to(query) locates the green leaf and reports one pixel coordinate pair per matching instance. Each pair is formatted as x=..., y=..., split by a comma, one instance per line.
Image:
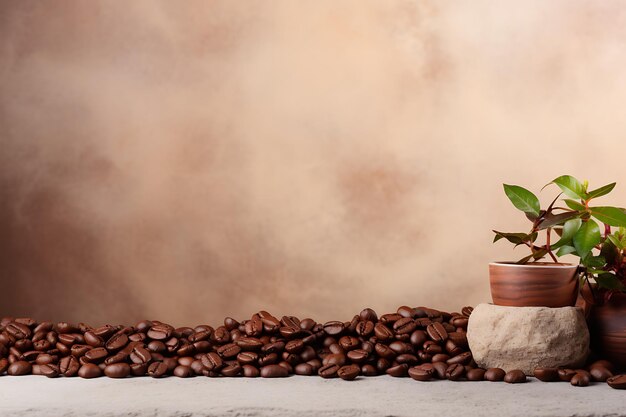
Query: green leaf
x=609, y=251
x=516, y=238
x=571, y=186
x=591, y=261
x=615, y=241
x=612, y=216
x=609, y=281
x=586, y=238
x=565, y=250
x=601, y=191
x=522, y=199
x=524, y=259
x=556, y=219
x=538, y=254
x=569, y=230
x=574, y=205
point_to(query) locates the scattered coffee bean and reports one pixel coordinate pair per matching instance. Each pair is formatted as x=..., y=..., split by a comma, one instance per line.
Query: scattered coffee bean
x=89, y=370
x=157, y=369
x=274, y=371
x=349, y=372
x=546, y=374
x=495, y=374
x=581, y=379
x=515, y=377
x=617, y=381
x=600, y=373
x=476, y=374
x=566, y=375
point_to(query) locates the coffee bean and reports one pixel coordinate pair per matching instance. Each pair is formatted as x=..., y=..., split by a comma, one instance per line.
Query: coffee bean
x=349, y=343
x=96, y=355
x=476, y=374
x=495, y=374
x=437, y=332
x=358, y=355
x=231, y=369
x=467, y=311
x=18, y=330
x=274, y=371
x=333, y=328
x=117, y=341
x=93, y=340
x=404, y=325
x=183, y=371
x=303, y=369
x=157, y=369
x=4, y=365
x=49, y=370
x=604, y=364
x=463, y=359
x=249, y=343
x=329, y=371
x=440, y=369
x=138, y=369
x=69, y=366
x=250, y=371
x=335, y=359
x=455, y=372
x=349, y=372
x=581, y=379
x=20, y=368
x=229, y=350
x=617, y=381
x=600, y=373
x=117, y=370
x=389, y=319
x=364, y=328
x=368, y=314
x=546, y=374
x=398, y=370
x=515, y=377
x=89, y=370
x=368, y=370
x=566, y=375
x=160, y=332
x=422, y=372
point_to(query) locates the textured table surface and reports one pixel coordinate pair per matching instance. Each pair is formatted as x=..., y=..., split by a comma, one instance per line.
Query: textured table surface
x=301, y=396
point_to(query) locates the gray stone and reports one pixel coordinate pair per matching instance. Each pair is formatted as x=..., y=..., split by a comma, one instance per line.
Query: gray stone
x=527, y=337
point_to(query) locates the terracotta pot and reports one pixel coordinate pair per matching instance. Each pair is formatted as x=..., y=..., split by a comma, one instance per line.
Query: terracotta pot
x=607, y=324
x=539, y=284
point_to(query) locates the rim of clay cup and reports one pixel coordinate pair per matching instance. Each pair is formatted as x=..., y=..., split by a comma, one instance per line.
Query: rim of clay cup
x=535, y=264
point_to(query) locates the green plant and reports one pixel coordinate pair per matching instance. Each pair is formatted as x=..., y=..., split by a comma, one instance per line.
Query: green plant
x=581, y=230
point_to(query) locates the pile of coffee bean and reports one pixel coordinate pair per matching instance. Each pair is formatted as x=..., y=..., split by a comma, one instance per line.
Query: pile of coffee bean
x=421, y=343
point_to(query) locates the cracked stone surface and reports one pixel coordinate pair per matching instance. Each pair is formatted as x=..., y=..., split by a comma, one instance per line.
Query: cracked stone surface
x=302, y=396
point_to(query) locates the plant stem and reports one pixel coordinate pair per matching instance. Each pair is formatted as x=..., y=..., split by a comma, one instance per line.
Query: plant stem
x=548, y=230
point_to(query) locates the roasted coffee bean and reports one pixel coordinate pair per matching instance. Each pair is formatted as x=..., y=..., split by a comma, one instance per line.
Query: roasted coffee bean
x=89, y=370
x=138, y=369
x=349, y=343
x=440, y=357
x=368, y=370
x=49, y=370
x=617, y=381
x=404, y=325
x=455, y=372
x=384, y=351
x=467, y=311
x=329, y=371
x=157, y=369
x=389, y=319
x=476, y=374
x=566, y=374
x=231, y=369
x=463, y=359
x=183, y=371
x=600, y=373
x=368, y=314
x=382, y=332
x=96, y=355
x=18, y=330
x=440, y=369
x=303, y=369
x=432, y=348
x=581, y=379
x=117, y=341
x=274, y=371
x=495, y=374
x=515, y=377
x=418, y=337
x=269, y=359
x=69, y=366
x=250, y=371
x=422, y=372
x=45, y=358
x=349, y=372
x=546, y=374
x=93, y=340
x=156, y=346
x=460, y=322
x=212, y=361
x=358, y=355
x=249, y=343
x=247, y=357
x=118, y=357
x=117, y=370
x=437, y=332
x=20, y=368
x=364, y=328
x=160, y=332
x=398, y=370
x=400, y=347
x=274, y=347
x=333, y=328
x=335, y=359
x=229, y=350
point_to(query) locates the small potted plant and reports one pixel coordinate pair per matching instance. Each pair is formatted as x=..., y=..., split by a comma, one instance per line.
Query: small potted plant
x=568, y=230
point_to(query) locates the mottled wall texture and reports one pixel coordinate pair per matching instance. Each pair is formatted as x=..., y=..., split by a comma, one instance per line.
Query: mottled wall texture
x=184, y=161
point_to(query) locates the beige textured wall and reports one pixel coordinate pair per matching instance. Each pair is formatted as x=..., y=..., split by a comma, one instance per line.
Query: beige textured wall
x=190, y=160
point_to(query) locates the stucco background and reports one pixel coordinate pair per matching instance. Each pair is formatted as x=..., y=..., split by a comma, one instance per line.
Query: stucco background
x=184, y=161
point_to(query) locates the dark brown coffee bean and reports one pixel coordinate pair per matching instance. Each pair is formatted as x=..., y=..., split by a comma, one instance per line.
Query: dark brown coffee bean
x=600, y=373
x=440, y=369
x=183, y=371
x=358, y=355
x=329, y=371
x=384, y=351
x=437, y=332
x=463, y=359
x=382, y=332
x=495, y=374
x=404, y=325
x=138, y=369
x=45, y=358
x=303, y=369
x=515, y=377
x=349, y=372
x=229, y=350
x=389, y=319
x=249, y=343
x=49, y=370
x=476, y=374
x=349, y=343
x=250, y=371
x=333, y=328
x=422, y=372
x=455, y=372
x=440, y=357
x=247, y=357
x=89, y=370
x=157, y=369
x=118, y=357
x=274, y=347
x=69, y=366
x=156, y=346
x=581, y=379
x=274, y=371
x=460, y=322
x=398, y=370
x=96, y=355
x=117, y=370
x=231, y=369
x=160, y=332
x=617, y=381
x=93, y=340
x=400, y=347
x=18, y=330
x=368, y=314
x=418, y=337
x=546, y=374
x=117, y=341
x=212, y=361
x=566, y=374
x=20, y=368
x=368, y=370
x=467, y=311
x=364, y=328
